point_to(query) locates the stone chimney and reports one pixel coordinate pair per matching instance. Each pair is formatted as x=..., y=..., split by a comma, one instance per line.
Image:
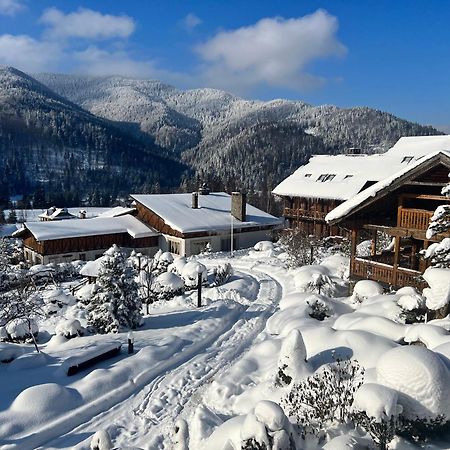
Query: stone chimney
x=82, y=214
x=239, y=206
x=195, y=200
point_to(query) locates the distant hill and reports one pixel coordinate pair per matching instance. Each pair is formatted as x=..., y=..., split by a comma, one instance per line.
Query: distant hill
x=46, y=140
x=230, y=141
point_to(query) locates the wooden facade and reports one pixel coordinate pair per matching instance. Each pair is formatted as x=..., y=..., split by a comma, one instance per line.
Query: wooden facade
x=308, y=215
x=399, y=212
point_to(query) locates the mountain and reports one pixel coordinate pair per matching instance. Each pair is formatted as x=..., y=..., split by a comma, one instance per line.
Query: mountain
x=47, y=140
x=229, y=141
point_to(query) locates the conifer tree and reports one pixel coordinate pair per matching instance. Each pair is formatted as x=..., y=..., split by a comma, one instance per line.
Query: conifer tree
x=116, y=304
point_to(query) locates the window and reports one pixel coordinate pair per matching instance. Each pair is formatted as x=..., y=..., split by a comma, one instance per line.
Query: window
x=407, y=159
x=174, y=247
x=199, y=246
x=308, y=175
x=326, y=177
x=347, y=176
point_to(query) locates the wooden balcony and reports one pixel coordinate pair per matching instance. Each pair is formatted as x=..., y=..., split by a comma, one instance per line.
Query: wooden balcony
x=413, y=219
x=385, y=273
x=296, y=213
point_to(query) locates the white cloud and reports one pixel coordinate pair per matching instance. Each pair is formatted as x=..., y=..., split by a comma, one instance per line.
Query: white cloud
x=191, y=21
x=87, y=24
x=11, y=7
x=272, y=52
x=28, y=54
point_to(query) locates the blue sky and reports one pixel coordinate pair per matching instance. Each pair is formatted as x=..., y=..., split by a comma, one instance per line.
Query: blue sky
x=392, y=55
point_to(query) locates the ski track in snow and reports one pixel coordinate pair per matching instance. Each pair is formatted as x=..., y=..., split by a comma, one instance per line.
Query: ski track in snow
x=146, y=418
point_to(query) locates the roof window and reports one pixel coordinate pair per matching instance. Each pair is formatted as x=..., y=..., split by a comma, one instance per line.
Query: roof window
x=308, y=175
x=347, y=176
x=407, y=159
x=326, y=177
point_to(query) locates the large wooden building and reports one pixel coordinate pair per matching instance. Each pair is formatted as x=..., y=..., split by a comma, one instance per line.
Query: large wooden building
x=190, y=223
x=399, y=207
x=326, y=181
x=84, y=239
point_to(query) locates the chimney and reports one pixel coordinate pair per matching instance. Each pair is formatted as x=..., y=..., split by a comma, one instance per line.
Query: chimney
x=239, y=205
x=195, y=200
x=82, y=214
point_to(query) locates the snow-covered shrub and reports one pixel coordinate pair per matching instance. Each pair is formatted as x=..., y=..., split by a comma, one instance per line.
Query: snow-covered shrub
x=163, y=262
x=167, y=286
x=319, y=308
x=376, y=409
x=299, y=247
x=190, y=274
x=365, y=289
x=115, y=303
x=421, y=379
x=438, y=294
x=438, y=253
x=22, y=330
x=101, y=441
x=325, y=397
x=263, y=246
x=177, y=265
x=221, y=274
x=69, y=328
x=292, y=362
x=413, y=305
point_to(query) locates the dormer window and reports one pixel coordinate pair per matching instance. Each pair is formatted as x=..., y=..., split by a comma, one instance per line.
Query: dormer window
x=326, y=177
x=407, y=159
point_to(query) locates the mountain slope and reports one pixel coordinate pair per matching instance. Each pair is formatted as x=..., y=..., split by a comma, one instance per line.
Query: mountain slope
x=45, y=139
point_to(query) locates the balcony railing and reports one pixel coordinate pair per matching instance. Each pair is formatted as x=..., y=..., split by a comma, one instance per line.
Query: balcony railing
x=414, y=219
x=298, y=213
x=384, y=273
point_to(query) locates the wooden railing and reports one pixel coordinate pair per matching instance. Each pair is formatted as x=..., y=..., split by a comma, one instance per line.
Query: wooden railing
x=384, y=273
x=414, y=219
x=304, y=213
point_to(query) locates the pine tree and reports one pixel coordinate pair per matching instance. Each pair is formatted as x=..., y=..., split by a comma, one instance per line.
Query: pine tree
x=116, y=304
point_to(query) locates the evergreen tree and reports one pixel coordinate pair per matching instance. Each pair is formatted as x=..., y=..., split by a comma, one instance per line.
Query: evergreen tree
x=12, y=218
x=116, y=304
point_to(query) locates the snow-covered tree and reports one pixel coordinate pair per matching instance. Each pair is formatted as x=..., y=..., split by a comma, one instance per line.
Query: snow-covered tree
x=116, y=303
x=440, y=223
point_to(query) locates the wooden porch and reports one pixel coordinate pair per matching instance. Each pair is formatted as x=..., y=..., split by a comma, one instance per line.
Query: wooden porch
x=386, y=274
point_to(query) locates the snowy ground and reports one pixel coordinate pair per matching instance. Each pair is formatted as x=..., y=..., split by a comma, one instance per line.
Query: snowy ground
x=215, y=363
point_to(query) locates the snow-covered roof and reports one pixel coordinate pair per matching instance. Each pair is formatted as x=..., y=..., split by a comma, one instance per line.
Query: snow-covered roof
x=353, y=203
x=117, y=211
x=54, y=213
x=213, y=212
x=352, y=172
x=46, y=231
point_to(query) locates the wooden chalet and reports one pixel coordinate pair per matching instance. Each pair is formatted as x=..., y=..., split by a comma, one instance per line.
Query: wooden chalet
x=400, y=208
x=190, y=223
x=84, y=239
x=327, y=181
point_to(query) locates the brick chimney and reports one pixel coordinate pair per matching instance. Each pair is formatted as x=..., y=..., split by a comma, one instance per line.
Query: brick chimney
x=82, y=214
x=194, y=200
x=239, y=206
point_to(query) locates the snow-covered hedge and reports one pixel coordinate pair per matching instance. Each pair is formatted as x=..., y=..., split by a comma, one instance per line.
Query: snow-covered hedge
x=69, y=328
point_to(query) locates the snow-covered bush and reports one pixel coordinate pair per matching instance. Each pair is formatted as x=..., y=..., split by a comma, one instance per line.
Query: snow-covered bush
x=299, y=246
x=177, y=265
x=376, y=409
x=163, y=262
x=115, y=303
x=69, y=328
x=221, y=274
x=263, y=246
x=167, y=286
x=325, y=397
x=438, y=253
x=319, y=308
x=101, y=441
x=365, y=289
x=292, y=363
x=22, y=330
x=190, y=273
x=413, y=305
x=438, y=294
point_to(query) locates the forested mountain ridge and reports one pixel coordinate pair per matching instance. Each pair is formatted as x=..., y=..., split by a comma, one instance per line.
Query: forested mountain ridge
x=229, y=141
x=48, y=141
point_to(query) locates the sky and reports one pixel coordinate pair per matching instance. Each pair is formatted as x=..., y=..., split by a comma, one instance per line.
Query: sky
x=390, y=55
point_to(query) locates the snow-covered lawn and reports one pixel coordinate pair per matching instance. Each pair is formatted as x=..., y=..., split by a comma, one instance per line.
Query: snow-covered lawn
x=217, y=367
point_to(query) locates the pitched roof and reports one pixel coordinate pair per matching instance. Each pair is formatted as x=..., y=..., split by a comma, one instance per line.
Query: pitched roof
x=46, y=231
x=382, y=187
x=352, y=172
x=213, y=212
x=54, y=213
